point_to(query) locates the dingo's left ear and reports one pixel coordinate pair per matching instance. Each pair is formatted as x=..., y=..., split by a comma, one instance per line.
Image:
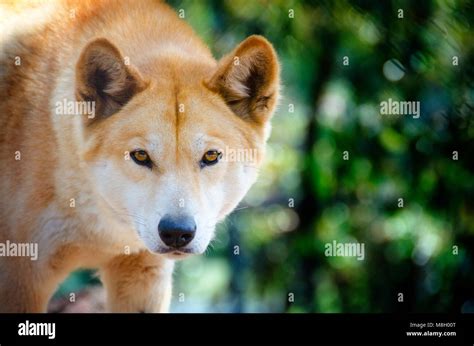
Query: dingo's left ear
x=248, y=79
x=102, y=77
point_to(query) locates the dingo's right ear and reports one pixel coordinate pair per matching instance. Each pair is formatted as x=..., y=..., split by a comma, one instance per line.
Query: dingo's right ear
x=102, y=77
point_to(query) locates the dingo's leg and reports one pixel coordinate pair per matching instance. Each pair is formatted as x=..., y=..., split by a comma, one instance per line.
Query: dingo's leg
x=138, y=283
x=20, y=290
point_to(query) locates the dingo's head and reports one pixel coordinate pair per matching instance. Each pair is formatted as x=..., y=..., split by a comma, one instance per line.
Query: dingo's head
x=175, y=145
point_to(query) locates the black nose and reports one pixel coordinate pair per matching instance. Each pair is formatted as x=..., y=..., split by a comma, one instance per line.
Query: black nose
x=177, y=231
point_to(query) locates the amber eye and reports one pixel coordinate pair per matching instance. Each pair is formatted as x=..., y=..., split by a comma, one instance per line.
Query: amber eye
x=210, y=158
x=141, y=158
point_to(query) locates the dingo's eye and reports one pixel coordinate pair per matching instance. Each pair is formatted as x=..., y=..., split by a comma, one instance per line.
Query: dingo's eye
x=210, y=158
x=141, y=158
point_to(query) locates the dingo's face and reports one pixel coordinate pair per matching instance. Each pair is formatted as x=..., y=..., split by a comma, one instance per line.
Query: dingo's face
x=161, y=148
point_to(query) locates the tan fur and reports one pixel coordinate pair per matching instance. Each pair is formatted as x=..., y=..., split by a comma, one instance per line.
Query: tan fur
x=65, y=158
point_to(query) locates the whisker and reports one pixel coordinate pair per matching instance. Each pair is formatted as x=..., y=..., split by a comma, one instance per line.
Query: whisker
x=245, y=207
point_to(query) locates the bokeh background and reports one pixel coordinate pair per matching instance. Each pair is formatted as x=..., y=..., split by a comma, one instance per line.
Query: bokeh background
x=308, y=195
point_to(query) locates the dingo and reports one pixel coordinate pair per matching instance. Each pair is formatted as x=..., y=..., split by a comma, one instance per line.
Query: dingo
x=142, y=182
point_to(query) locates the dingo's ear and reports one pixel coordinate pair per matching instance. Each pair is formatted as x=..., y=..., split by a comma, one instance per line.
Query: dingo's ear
x=102, y=77
x=248, y=79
